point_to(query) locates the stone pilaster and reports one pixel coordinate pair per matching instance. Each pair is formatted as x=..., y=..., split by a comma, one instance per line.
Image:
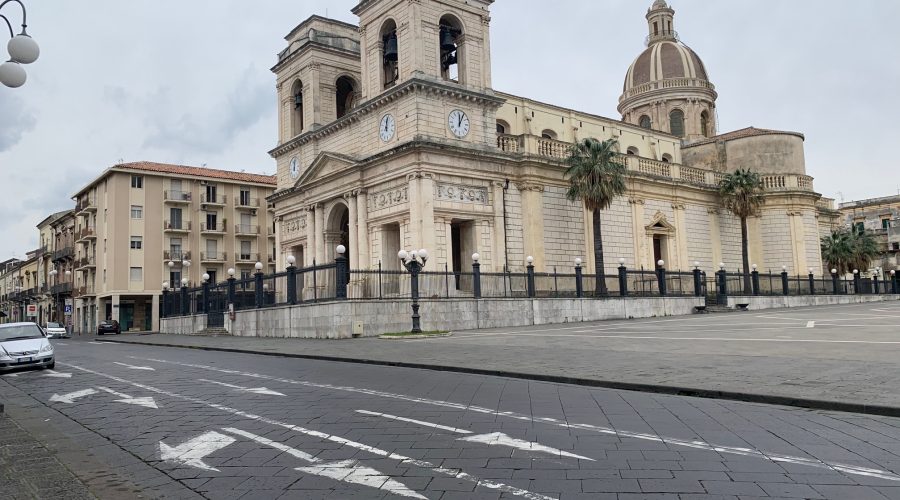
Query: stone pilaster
x=499, y=247
x=362, y=229
x=353, y=234
x=310, y=250
x=321, y=256
x=715, y=238
x=640, y=233
x=682, y=263
x=533, y=222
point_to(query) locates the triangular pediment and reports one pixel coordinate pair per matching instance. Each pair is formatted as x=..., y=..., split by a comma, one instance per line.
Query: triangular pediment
x=659, y=224
x=324, y=165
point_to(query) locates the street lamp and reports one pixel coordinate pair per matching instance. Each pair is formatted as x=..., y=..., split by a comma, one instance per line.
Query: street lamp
x=53, y=273
x=22, y=50
x=411, y=262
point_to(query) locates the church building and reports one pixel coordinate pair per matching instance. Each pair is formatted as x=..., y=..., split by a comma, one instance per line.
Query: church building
x=391, y=136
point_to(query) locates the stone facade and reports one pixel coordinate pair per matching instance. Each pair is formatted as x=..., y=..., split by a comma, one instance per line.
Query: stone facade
x=430, y=156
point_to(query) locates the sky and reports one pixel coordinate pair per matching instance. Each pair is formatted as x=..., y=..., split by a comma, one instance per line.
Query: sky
x=189, y=82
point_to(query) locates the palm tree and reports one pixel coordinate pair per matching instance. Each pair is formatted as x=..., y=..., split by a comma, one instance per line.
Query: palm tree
x=742, y=194
x=849, y=249
x=596, y=177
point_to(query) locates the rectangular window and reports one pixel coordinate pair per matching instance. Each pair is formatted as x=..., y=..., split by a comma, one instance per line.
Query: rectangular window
x=175, y=279
x=137, y=182
x=137, y=242
x=245, y=274
x=896, y=246
x=211, y=221
x=885, y=223
x=211, y=193
x=245, y=197
x=175, y=248
x=136, y=274
x=245, y=250
x=137, y=212
x=860, y=227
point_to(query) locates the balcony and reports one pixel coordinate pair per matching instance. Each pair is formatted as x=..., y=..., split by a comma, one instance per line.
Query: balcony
x=246, y=202
x=270, y=231
x=213, y=200
x=85, y=205
x=247, y=257
x=177, y=226
x=177, y=255
x=65, y=253
x=86, y=262
x=213, y=256
x=86, y=233
x=212, y=228
x=246, y=230
x=84, y=291
x=61, y=288
x=177, y=197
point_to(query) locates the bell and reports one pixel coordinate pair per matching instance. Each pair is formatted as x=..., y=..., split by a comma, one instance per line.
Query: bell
x=298, y=100
x=449, y=60
x=447, y=40
x=390, y=48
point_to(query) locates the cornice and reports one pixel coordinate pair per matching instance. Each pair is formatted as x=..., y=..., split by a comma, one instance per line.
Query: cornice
x=311, y=45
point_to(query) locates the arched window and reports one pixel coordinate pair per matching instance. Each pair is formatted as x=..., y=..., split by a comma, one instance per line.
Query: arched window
x=633, y=151
x=346, y=94
x=676, y=123
x=645, y=122
x=450, y=33
x=297, y=113
x=667, y=158
x=502, y=127
x=390, y=54
x=548, y=134
x=704, y=124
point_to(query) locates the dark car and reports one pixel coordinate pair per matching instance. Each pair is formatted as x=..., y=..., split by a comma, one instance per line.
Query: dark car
x=108, y=326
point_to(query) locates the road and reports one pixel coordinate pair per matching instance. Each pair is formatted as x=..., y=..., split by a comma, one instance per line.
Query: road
x=179, y=423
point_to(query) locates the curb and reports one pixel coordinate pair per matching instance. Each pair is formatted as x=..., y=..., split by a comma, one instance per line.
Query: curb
x=813, y=404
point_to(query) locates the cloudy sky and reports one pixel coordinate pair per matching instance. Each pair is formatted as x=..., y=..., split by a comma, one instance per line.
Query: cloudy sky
x=188, y=81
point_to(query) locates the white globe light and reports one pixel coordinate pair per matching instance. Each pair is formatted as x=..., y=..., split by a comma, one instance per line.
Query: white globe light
x=423, y=254
x=834, y=271
x=22, y=48
x=231, y=272
x=530, y=260
x=258, y=266
x=856, y=271
x=661, y=263
x=721, y=265
x=265, y=286
x=186, y=263
x=754, y=267
x=475, y=257
x=812, y=271
x=184, y=281
x=171, y=264
x=53, y=272
x=165, y=285
x=578, y=262
x=402, y=255
x=291, y=260
x=697, y=264
x=893, y=273
x=621, y=261
x=12, y=74
x=784, y=268
x=341, y=249
x=205, y=277
x=68, y=273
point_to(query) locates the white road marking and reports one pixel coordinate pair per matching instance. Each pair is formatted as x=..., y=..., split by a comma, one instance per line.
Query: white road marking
x=810, y=324
x=811, y=462
x=56, y=374
x=255, y=390
x=717, y=339
x=60, y=343
x=10, y=374
x=192, y=452
x=72, y=396
x=348, y=471
x=146, y=402
x=455, y=473
x=99, y=343
x=493, y=439
x=132, y=367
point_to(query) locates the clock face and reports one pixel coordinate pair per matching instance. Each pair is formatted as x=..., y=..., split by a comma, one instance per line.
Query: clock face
x=459, y=123
x=295, y=168
x=387, y=128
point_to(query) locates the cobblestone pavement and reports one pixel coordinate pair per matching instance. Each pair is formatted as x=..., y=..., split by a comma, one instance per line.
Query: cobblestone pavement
x=846, y=354
x=224, y=425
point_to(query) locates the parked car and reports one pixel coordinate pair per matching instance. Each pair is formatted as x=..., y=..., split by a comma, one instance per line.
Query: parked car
x=55, y=331
x=108, y=326
x=24, y=345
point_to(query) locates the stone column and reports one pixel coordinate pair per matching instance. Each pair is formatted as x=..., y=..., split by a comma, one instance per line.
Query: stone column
x=415, y=212
x=798, y=244
x=682, y=264
x=309, y=252
x=362, y=229
x=427, y=235
x=640, y=236
x=499, y=239
x=321, y=256
x=353, y=239
x=486, y=55
x=715, y=237
x=315, y=92
x=279, y=255
x=533, y=222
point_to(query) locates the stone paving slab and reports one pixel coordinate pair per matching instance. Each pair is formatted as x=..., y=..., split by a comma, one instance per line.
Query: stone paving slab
x=833, y=357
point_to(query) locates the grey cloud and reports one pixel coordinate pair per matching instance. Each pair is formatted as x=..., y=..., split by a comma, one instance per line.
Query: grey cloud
x=15, y=120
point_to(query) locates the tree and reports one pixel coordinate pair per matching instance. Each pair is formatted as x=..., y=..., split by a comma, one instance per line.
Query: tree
x=849, y=249
x=596, y=177
x=742, y=194
x=865, y=249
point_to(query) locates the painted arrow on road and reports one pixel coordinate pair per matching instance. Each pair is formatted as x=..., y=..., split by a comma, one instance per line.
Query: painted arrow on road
x=52, y=373
x=255, y=390
x=72, y=396
x=147, y=402
x=192, y=452
x=132, y=367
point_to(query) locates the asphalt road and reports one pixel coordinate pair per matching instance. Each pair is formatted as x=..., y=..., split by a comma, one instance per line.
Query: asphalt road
x=193, y=424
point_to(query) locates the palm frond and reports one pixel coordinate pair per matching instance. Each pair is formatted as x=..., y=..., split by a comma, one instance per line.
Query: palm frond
x=596, y=176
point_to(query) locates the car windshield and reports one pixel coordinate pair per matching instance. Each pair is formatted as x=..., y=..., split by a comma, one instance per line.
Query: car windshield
x=20, y=332
x=54, y=325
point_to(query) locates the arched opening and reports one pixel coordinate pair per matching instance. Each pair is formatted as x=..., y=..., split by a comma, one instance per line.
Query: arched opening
x=704, y=124
x=450, y=36
x=345, y=89
x=502, y=127
x=633, y=151
x=548, y=134
x=390, y=54
x=666, y=158
x=297, y=113
x=645, y=122
x=338, y=232
x=676, y=123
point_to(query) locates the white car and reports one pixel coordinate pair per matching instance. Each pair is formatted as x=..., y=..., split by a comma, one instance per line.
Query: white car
x=55, y=331
x=24, y=345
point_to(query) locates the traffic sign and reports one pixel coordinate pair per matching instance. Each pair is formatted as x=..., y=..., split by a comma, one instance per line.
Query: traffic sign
x=31, y=310
x=68, y=309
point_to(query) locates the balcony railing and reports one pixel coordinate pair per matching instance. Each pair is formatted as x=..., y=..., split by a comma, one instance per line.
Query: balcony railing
x=246, y=229
x=212, y=200
x=245, y=202
x=85, y=233
x=247, y=257
x=177, y=196
x=177, y=226
x=85, y=204
x=213, y=256
x=84, y=291
x=212, y=228
x=86, y=261
x=176, y=255
x=65, y=253
x=61, y=288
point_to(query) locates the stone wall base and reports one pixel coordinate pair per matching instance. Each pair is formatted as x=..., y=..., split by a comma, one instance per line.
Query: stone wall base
x=760, y=303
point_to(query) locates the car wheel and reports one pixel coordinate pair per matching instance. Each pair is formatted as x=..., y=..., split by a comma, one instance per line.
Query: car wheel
x=51, y=365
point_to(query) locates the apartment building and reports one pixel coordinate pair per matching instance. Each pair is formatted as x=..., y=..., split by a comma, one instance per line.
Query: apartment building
x=139, y=225
x=20, y=286
x=54, y=266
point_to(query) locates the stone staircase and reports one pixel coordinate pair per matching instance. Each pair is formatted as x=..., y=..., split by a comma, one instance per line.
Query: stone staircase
x=213, y=332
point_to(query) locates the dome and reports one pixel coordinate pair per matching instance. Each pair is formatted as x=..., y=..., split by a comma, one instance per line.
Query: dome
x=665, y=60
x=659, y=4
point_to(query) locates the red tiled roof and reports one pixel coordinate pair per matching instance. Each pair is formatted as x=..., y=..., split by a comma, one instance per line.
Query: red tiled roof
x=165, y=168
x=740, y=134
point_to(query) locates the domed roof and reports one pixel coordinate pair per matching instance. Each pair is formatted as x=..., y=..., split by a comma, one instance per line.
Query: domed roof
x=659, y=4
x=665, y=60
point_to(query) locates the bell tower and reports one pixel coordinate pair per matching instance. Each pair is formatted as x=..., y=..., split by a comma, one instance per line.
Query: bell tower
x=445, y=41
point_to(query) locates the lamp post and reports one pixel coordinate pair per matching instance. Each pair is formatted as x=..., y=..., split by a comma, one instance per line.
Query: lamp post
x=53, y=274
x=22, y=50
x=411, y=262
